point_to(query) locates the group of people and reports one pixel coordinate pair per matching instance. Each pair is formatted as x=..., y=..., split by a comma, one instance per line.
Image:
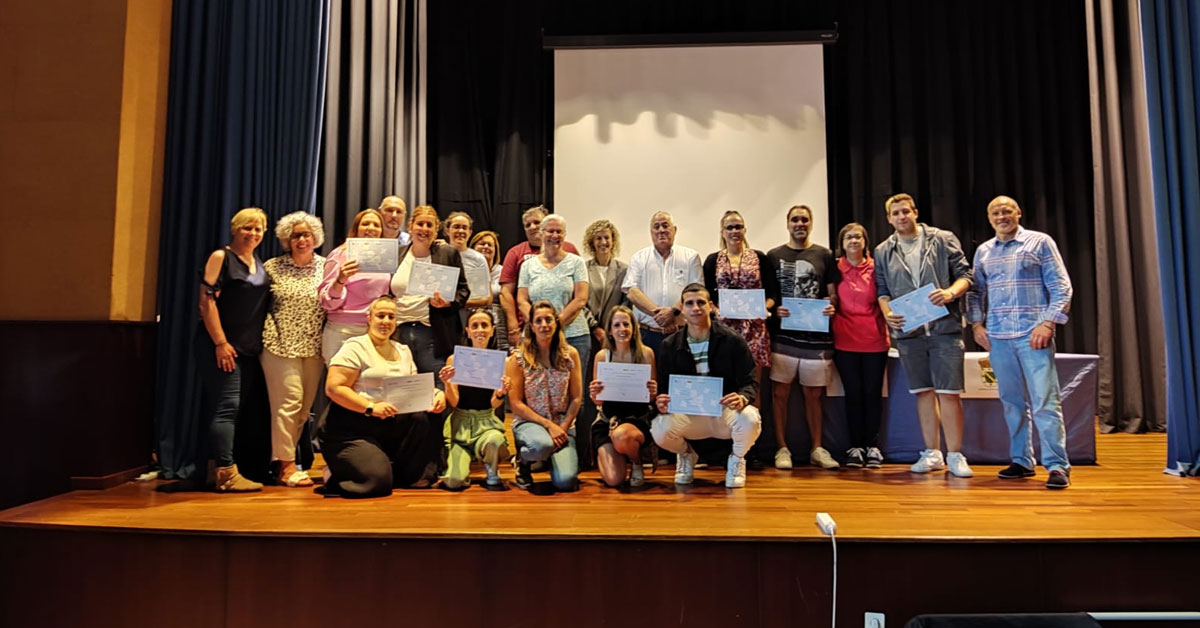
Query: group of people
x=560, y=317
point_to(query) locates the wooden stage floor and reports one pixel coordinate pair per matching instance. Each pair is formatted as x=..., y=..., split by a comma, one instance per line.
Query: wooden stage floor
x=1125, y=497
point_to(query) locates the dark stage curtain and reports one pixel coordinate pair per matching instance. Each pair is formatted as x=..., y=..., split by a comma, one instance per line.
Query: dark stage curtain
x=956, y=103
x=243, y=128
x=1131, y=395
x=488, y=112
x=1171, y=44
x=920, y=97
x=374, y=140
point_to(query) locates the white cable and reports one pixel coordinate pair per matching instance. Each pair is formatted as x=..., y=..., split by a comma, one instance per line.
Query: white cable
x=833, y=612
x=827, y=525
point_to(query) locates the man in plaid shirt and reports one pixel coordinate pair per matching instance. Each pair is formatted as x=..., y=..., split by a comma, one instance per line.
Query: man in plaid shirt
x=1022, y=287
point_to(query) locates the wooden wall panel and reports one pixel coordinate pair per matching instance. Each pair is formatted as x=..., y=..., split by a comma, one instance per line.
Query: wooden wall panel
x=78, y=400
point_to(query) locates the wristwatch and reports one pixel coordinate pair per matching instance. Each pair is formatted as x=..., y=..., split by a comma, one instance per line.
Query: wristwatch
x=370, y=409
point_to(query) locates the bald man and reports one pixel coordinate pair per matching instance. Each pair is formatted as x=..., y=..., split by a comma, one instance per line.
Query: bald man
x=1020, y=296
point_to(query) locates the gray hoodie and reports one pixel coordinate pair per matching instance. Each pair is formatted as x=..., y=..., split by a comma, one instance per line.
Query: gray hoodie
x=942, y=263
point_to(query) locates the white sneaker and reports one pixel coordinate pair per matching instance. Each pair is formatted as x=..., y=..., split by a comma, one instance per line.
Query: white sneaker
x=735, y=472
x=783, y=458
x=637, y=476
x=956, y=464
x=931, y=460
x=820, y=457
x=685, y=467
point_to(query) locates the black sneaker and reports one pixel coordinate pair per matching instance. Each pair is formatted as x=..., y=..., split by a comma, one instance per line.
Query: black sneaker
x=753, y=463
x=1058, y=479
x=1014, y=471
x=874, y=458
x=854, y=458
x=524, y=476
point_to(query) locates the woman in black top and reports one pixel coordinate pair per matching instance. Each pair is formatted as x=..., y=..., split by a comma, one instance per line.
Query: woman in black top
x=622, y=427
x=473, y=431
x=234, y=295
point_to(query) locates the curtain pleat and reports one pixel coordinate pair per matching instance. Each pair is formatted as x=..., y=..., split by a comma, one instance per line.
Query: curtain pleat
x=1132, y=373
x=374, y=110
x=1171, y=45
x=243, y=127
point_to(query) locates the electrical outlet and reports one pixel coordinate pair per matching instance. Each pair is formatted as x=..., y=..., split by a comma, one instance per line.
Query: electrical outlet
x=873, y=620
x=826, y=523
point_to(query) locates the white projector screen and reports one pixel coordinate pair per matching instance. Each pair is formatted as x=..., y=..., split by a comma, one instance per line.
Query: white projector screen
x=691, y=131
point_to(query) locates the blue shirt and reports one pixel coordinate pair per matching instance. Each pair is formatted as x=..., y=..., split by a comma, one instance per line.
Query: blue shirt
x=1020, y=284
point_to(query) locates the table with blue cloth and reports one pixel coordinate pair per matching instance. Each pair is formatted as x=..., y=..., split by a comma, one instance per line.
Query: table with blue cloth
x=985, y=434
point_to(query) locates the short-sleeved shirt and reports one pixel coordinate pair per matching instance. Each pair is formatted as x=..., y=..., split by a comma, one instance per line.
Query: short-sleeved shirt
x=293, y=325
x=517, y=255
x=858, y=325
x=556, y=285
x=359, y=354
x=662, y=280
x=802, y=273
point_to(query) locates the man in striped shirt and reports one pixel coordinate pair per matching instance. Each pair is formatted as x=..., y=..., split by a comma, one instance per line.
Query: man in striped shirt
x=1021, y=293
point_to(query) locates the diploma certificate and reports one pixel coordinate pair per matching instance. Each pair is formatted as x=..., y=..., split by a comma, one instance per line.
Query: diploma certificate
x=409, y=393
x=623, y=382
x=693, y=394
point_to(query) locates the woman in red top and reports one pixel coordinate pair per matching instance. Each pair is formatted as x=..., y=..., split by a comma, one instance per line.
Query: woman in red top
x=860, y=346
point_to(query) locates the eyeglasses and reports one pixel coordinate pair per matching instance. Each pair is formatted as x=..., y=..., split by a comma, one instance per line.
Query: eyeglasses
x=302, y=235
x=734, y=227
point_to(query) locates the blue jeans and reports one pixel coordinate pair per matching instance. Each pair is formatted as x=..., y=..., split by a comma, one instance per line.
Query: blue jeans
x=1028, y=382
x=419, y=339
x=534, y=444
x=224, y=395
x=582, y=344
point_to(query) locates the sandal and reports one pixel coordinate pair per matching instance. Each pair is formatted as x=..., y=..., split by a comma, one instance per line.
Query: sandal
x=298, y=478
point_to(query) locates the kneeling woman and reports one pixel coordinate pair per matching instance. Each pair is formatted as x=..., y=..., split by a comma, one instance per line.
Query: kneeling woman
x=473, y=431
x=547, y=391
x=624, y=427
x=369, y=446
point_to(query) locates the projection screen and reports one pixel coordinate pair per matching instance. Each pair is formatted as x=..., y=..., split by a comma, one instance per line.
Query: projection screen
x=692, y=131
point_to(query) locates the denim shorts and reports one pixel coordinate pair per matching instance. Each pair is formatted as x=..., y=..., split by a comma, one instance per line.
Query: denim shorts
x=933, y=362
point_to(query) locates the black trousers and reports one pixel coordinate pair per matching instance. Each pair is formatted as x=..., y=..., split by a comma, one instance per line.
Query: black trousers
x=368, y=456
x=862, y=378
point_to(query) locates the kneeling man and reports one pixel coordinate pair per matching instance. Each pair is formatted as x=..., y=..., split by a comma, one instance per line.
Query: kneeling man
x=702, y=348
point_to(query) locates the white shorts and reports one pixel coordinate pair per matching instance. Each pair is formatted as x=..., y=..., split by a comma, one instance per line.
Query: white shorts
x=814, y=372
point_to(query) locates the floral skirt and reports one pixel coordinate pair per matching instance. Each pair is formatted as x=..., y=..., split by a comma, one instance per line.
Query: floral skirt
x=754, y=332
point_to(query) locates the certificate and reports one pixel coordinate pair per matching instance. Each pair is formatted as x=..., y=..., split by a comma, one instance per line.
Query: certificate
x=916, y=308
x=623, y=382
x=743, y=304
x=693, y=394
x=409, y=393
x=479, y=281
x=374, y=255
x=427, y=278
x=479, y=368
x=805, y=315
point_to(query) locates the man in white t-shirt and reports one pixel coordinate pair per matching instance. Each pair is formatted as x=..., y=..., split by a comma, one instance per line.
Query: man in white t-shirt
x=657, y=275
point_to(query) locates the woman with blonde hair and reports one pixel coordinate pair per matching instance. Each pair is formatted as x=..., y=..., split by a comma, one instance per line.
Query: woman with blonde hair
x=429, y=326
x=234, y=294
x=547, y=392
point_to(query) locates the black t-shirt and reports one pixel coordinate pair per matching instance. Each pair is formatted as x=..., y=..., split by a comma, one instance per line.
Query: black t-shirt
x=802, y=273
